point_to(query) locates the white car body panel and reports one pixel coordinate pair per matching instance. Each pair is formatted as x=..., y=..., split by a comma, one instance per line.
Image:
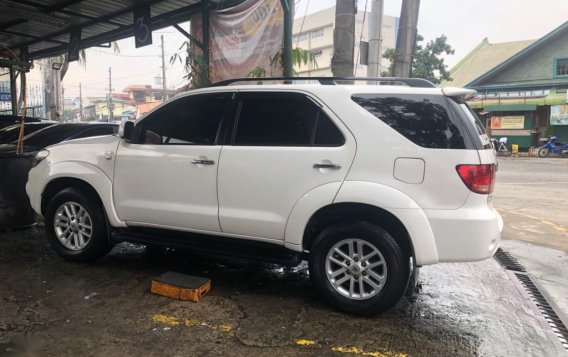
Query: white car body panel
x=258, y=200
x=304, y=209
x=470, y=233
x=159, y=185
x=402, y=207
x=441, y=188
x=90, y=160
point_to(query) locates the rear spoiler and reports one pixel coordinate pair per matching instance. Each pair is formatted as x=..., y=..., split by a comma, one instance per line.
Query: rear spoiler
x=459, y=92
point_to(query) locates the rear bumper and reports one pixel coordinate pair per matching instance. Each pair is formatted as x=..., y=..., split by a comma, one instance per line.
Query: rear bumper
x=467, y=234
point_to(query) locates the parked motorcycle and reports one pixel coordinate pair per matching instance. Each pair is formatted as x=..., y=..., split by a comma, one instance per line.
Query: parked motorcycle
x=551, y=147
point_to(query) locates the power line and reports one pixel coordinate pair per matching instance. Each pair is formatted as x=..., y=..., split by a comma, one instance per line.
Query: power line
x=303, y=20
x=121, y=55
x=92, y=84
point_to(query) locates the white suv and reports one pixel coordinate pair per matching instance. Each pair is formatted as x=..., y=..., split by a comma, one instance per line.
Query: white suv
x=365, y=182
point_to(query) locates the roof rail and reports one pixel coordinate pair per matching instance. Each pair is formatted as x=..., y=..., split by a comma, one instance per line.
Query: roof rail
x=411, y=82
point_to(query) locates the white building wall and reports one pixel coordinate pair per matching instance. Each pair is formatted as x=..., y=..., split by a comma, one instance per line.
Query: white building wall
x=315, y=33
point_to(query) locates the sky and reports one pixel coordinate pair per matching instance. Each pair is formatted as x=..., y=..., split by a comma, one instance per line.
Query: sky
x=464, y=22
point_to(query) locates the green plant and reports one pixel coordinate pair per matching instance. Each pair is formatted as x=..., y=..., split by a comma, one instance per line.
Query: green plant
x=195, y=66
x=299, y=57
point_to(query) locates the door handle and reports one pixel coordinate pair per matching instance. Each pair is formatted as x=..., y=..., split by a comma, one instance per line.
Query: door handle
x=327, y=166
x=202, y=162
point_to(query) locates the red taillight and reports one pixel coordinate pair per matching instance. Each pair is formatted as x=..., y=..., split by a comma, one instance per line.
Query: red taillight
x=478, y=178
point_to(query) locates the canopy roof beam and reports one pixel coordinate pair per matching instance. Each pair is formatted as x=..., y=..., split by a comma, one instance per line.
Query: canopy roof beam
x=58, y=8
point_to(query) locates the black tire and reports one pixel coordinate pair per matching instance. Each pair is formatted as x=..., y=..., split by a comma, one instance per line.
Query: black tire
x=98, y=244
x=543, y=152
x=397, y=265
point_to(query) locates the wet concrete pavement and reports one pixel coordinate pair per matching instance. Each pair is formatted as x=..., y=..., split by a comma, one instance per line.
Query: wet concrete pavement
x=57, y=308
x=61, y=308
x=532, y=196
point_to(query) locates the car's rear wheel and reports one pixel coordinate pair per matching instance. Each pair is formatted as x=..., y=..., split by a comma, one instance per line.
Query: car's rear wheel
x=76, y=226
x=359, y=268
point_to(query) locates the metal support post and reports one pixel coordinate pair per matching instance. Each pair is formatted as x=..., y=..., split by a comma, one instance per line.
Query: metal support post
x=205, y=41
x=13, y=91
x=109, y=104
x=163, y=71
x=288, y=7
x=80, y=102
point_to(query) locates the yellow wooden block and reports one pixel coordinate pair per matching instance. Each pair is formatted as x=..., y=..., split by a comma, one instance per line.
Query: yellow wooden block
x=180, y=286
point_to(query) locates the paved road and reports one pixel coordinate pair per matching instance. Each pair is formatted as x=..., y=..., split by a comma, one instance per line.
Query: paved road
x=532, y=196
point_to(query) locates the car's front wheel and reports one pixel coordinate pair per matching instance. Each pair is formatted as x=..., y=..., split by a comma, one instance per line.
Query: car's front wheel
x=76, y=226
x=359, y=268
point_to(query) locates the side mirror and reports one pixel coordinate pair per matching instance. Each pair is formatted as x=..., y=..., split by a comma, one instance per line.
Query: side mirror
x=126, y=130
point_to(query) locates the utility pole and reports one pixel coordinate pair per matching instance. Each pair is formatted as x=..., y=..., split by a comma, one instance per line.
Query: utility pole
x=406, y=40
x=344, y=38
x=288, y=6
x=109, y=104
x=163, y=72
x=62, y=103
x=52, y=90
x=80, y=102
x=375, y=38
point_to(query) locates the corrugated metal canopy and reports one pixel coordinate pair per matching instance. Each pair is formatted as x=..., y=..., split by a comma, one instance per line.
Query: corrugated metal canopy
x=43, y=26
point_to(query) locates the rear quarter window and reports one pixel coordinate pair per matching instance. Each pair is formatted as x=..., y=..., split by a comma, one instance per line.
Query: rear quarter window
x=425, y=120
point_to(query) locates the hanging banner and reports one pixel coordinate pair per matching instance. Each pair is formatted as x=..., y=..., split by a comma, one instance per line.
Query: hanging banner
x=508, y=122
x=243, y=38
x=559, y=114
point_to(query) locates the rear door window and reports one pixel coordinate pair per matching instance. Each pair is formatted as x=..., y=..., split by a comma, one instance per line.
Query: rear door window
x=423, y=119
x=283, y=119
x=478, y=127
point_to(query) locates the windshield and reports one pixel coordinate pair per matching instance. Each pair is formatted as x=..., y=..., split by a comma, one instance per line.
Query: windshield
x=51, y=135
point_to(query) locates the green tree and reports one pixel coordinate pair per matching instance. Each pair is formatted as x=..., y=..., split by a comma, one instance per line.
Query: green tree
x=194, y=64
x=299, y=57
x=428, y=61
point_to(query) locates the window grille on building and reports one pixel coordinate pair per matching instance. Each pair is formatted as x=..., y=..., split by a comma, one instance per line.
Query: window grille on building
x=317, y=33
x=562, y=67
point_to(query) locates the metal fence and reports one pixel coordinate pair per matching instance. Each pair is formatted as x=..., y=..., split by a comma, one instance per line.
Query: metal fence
x=36, y=112
x=34, y=100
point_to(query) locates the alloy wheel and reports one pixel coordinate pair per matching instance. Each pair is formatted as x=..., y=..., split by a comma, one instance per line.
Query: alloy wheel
x=356, y=269
x=73, y=225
